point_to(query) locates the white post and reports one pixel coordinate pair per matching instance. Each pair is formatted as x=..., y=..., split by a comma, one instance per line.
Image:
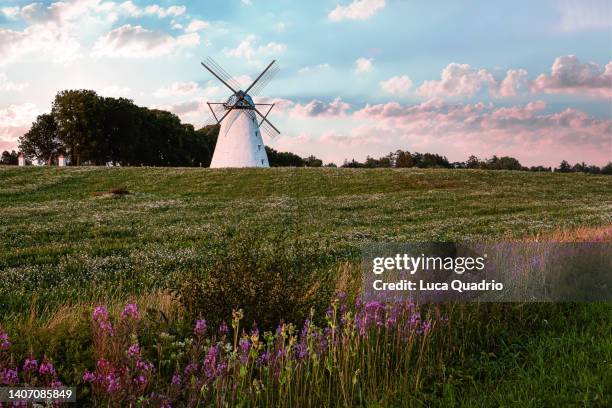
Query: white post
x=21, y=160
x=61, y=161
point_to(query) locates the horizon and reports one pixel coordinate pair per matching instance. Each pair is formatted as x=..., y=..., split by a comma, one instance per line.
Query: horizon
x=530, y=81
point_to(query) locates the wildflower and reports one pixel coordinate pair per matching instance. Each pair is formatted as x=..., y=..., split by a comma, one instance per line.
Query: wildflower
x=134, y=351
x=210, y=362
x=56, y=383
x=264, y=358
x=4, y=340
x=190, y=369
x=223, y=329
x=200, y=327
x=46, y=368
x=301, y=351
x=245, y=347
x=9, y=376
x=113, y=384
x=140, y=380
x=176, y=380
x=130, y=310
x=89, y=376
x=100, y=313
x=100, y=316
x=30, y=365
x=144, y=366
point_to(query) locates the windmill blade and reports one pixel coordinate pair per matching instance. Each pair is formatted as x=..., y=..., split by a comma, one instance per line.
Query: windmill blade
x=260, y=75
x=223, y=73
x=217, y=110
x=265, y=120
x=219, y=76
x=264, y=126
x=269, y=131
x=264, y=81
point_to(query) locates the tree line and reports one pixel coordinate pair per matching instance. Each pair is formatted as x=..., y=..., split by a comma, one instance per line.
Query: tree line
x=91, y=129
x=406, y=159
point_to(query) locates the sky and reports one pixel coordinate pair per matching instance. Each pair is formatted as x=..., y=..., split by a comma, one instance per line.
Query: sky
x=532, y=80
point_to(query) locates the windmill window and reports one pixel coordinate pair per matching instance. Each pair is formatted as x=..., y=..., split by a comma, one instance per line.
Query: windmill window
x=259, y=147
x=261, y=161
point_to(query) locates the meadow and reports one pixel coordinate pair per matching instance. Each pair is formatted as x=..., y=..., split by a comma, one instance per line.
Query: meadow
x=184, y=245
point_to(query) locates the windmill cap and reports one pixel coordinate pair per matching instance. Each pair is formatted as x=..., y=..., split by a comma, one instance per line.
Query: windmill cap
x=240, y=100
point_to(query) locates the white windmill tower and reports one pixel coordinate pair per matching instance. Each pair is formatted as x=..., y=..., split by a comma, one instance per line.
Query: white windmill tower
x=240, y=143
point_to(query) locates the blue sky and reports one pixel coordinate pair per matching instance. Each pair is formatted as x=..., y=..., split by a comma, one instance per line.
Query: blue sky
x=358, y=77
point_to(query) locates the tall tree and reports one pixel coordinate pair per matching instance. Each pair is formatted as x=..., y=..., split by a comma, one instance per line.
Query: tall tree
x=79, y=115
x=42, y=140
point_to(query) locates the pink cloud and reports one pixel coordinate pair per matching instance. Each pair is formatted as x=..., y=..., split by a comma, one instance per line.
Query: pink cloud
x=458, y=130
x=515, y=83
x=457, y=80
x=570, y=76
x=315, y=108
x=15, y=120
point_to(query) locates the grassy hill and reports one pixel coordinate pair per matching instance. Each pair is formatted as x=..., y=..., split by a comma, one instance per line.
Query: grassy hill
x=74, y=237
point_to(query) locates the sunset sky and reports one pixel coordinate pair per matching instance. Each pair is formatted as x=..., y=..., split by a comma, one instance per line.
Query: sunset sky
x=527, y=79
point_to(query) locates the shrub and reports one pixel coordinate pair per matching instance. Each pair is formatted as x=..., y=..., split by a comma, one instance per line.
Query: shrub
x=278, y=278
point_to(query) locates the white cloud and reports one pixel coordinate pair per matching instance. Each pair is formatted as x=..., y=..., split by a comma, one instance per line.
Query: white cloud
x=318, y=67
x=315, y=108
x=357, y=10
x=177, y=89
x=457, y=80
x=247, y=2
x=160, y=12
x=45, y=41
x=15, y=120
x=196, y=25
x=250, y=50
x=6, y=85
x=280, y=27
x=10, y=12
x=137, y=42
x=397, y=85
x=516, y=82
x=568, y=75
x=363, y=65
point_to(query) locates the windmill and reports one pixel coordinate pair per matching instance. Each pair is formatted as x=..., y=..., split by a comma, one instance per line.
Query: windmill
x=240, y=143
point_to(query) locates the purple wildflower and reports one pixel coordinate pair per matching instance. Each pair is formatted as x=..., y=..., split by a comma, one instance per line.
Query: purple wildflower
x=46, y=368
x=30, y=365
x=223, y=329
x=89, y=376
x=134, y=351
x=130, y=310
x=140, y=380
x=100, y=313
x=190, y=369
x=113, y=383
x=245, y=346
x=200, y=327
x=100, y=316
x=4, y=340
x=210, y=362
x=176, y=380
x=264, y=358
x=9, y=376
x=144, y=366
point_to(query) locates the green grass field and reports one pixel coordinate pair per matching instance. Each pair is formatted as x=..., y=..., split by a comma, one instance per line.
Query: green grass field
x=66, y=244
